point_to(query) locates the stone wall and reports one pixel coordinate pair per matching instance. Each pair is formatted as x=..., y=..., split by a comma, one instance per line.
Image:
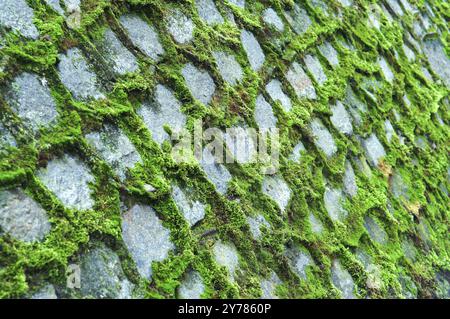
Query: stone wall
x=93, y=204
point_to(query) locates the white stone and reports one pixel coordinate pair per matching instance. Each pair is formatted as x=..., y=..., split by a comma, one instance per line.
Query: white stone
x=330, y=53
x=102, y=276
x=46, y=292
x=333, y=199
x=193, y=211
x=256, y=224
x=264, y=116
x=439, y=60
x=271, y=18
x=68, y=178
x=389, y=129
x=254, y=52
x=199, y=82
x=276, y=188
x=115, y=148
x=29, y=96
x=229, y=68
x=375, y=232
x=142, y=35
x=340, y=119
x=274, y=89
x=238, y=3
x=207, y=10
x=299, y=261
x=122, y=60
x=350, y=186
x=76, y=75
x=298, y=19
x=21, y=217
x=18, y=16
x=409, y=53
x=241, y=143
x=316, y=225
x=180, y=27
x=395, y=6
x=146, y=238
x=355, y=106
x=300, y=82
x=269, y=285
x=342, y=280
x=163, y=109
x=226, y=256
x=192, y=286
x=385, y=68
x=296, y=152
x=315, y=68
x=216, y=172
x=374, y=149
x=55, y=5
x=322, y=138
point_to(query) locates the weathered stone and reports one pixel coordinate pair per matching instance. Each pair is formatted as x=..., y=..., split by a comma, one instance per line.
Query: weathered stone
x=192, y=286
x=122, y=60
x=274, y=89
x=73, y=10
x=322, y=138
x=254, y=52
x=21, y=217
x=55, y=5
x=296, y=152
x=375, y=232
x=264, y=116
x=386, y=13
x=333, y=199
x=256, y=224
x=226, y=256
x=76, y=75
x=46, y=292
x=276, y=188
x=29, y=96
x=374, y=16
x=271, y=18
x=146, y=238
x=426, y=73
x=409, y=53
x=330, y=53
x=315, y=68
x=199, y=82
x=241, y=143
x=346, y=3
x=300, y=81
x=115, y=148
x=216, y=172
x=443, y=284
x=163, y=109
x=389, y=130
x=319, y=4
x=298, y=19
x=439, y=61
x=18, y=16
x=193, y=211
x=6, y=139
x=387, y=72
x=143, y=36
x=350, y=186
x=342, y=280
x=409, y=250
x=407, y=6
x=374, y=280
x=101, y=275
x=354, y=105
x=316, y=225
x=269, y=285
x=68, y=178
x=395, y=7
x=299, y=260
x=398, y=187
x=180, y=27
x=409, y=288
x=374, y=149
x=340, y=119
x=229, y=68
x=207, y=10
x=238, y=3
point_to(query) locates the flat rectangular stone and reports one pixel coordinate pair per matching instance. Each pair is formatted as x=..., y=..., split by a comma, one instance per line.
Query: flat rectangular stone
x=298, y=19
x=323, y=138
x=300, y=82
x=18, y=16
